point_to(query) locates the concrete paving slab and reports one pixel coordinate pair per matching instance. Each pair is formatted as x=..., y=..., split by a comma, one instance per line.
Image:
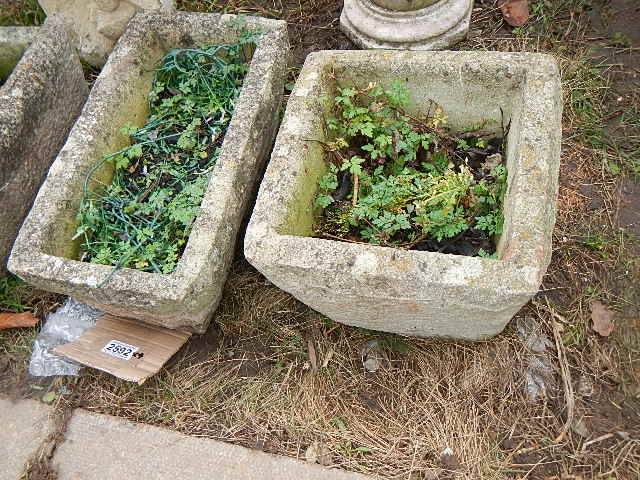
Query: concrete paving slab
x=104, y=447
x=25, y=426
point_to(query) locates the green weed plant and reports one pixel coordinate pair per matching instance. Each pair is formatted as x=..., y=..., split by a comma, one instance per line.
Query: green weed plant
x=409, y=180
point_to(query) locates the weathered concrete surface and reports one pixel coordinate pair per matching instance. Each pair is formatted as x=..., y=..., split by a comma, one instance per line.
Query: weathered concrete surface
x=99, y=23
x=101, y=447
x=26, y=424
x=406, y=24
x=39, y=103
x=44, y=253
x=13, y=42
x=411, y=292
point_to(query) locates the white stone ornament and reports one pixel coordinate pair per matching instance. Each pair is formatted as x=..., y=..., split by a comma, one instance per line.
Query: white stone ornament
x=406, y=24
x=99, y=23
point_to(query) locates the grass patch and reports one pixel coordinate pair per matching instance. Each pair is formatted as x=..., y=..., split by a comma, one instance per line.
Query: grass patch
x=26, y=13
x=15, y=295
x=587, y=90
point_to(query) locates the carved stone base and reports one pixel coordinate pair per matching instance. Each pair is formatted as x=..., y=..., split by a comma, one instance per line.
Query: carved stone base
x=99, y=23
x=436, y=26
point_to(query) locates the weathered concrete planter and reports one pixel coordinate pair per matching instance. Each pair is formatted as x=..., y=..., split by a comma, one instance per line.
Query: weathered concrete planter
x=411, y=292
x=44, y=254
x=42, y=95
x=406, y=24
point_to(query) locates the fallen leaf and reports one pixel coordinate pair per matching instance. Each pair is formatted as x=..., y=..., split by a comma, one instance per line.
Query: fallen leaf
x=313, y=357
x=327, y=358
x=602, y=318
x=17, y=320
x=579, y=427
x=624, y=435
x=372, y=356
x=514, y=12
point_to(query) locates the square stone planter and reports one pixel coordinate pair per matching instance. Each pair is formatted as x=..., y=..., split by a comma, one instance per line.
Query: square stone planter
x=44, y=254
x=411, y=292
x=42, y=90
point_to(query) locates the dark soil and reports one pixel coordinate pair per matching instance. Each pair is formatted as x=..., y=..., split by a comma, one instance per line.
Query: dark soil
x=617, y=36
x=469, y=243
x=628, y=213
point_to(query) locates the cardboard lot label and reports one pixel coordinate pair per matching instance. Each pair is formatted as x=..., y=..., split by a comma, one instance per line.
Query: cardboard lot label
x=119, y=349
x=140, y=353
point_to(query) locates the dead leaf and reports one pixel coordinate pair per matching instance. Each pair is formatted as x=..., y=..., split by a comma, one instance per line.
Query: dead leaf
x=49, y=397
x=602, y=318
x=313, y=357
x=327, y=358
x=17, y=320
x=514, y=12
x=579, y=427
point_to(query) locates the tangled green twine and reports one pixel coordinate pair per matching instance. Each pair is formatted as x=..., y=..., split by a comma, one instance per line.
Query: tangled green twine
x=143, y=218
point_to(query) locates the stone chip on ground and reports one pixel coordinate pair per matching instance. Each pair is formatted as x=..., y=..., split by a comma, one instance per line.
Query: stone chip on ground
x=104, y=447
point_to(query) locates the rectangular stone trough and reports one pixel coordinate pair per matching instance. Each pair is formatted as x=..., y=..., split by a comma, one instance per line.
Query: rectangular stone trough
x=42, y=90
x=44, y=254
x=402, y=291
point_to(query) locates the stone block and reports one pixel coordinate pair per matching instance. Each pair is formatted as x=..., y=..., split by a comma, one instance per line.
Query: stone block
x=406, y=24
x=44, y=253
x=39, y=102
x=98, y=447
x=26, y=424
x=404, y=291
x=99, y=23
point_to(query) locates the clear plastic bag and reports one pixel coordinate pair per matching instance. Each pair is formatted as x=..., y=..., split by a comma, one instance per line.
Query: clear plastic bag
x=539, y=375
x=60, y=327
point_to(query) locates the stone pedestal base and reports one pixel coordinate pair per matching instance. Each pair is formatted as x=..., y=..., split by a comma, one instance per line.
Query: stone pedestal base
x=436, y=26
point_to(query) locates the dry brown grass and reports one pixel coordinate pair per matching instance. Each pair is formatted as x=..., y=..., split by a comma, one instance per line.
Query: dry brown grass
x=260, y=390
x=278, y=376
x=255, y=385
x=15, y=344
